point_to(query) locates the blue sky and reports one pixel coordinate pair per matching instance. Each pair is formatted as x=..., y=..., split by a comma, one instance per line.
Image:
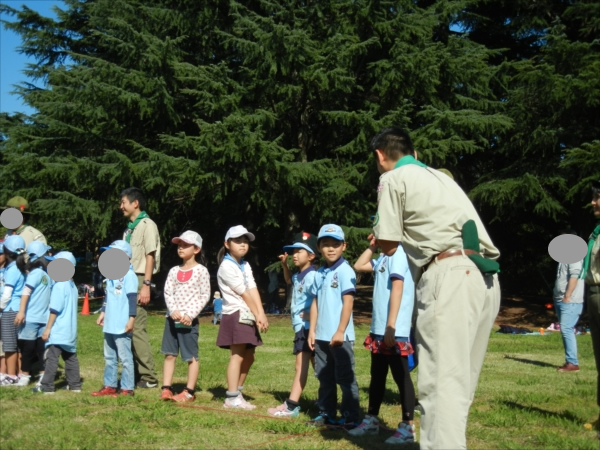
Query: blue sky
x=12, y=63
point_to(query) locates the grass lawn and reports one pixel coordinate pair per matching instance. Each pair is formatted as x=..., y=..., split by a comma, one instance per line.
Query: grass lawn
x=521, y=402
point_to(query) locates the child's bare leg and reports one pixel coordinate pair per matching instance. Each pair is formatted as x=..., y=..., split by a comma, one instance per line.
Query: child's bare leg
x=238, y=353
x=169, y=369
x=2, y=364
x=246, y=364
x=12, y=363
x=193, y=369
x=302, y=363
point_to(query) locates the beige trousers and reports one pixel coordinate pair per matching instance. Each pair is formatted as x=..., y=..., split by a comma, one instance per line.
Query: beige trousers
x=457, y=306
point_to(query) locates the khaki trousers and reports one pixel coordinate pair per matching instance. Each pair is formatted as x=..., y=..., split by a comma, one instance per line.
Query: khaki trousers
x=140, y=344
x=457, y=307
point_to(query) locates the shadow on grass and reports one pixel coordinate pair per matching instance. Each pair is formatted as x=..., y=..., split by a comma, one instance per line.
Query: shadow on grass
x=219, y=393
x=365, y=442
x=530, y=361
x=567, y=415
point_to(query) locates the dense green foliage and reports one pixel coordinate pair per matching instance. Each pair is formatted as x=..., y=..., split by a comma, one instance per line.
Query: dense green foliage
x=260, y=112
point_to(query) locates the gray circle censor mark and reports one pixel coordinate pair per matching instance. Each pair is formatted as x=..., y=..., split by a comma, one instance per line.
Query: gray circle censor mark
x=61, y=270
x=113, y=264
x=567, y=249
x=11, y=218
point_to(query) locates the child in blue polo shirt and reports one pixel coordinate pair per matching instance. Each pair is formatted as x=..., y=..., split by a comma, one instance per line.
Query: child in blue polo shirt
x=14, y=282
x=388, y=341
x=60, y=334
x=332, y=331
x=117, y=318
x=34, y=311
x=304, y=253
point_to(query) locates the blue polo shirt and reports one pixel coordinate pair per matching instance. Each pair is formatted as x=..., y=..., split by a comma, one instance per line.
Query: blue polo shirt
x=331, y=283
x=63, y=303
x=38, y=305
x=386, y=269
x=301, y=297
x=218, y=305
x=15, y=279
x=117, y=308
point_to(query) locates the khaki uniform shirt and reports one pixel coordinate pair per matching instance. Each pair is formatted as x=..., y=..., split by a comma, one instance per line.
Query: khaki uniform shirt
x=425, y=210
x=144, y=240
x=30, y=234
x=593, y=275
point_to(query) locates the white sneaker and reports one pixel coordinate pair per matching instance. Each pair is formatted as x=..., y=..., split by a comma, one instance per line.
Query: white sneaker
x=9, y=381
x=403, y=435
x=369, y=425
x=23, y=380
x=238, y=403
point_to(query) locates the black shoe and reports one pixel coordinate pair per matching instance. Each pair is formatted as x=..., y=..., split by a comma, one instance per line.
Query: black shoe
x=143, y=384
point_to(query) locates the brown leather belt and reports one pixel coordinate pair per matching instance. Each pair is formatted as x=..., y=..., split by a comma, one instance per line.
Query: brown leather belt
x=449, y=253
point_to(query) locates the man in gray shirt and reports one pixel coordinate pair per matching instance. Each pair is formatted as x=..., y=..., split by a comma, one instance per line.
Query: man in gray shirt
x=568, y=303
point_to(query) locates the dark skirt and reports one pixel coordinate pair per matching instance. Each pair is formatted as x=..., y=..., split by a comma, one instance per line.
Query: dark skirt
x=232, y=332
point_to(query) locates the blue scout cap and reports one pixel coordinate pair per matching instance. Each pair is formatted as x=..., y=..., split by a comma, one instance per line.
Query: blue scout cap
x=332, y=230
x=36, y=250
x=63, y=255
x=15, y=244
x=303, y=240
x=121, y=245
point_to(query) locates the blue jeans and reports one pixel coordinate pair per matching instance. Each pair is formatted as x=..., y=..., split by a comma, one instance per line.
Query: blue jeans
x=568, y=315
x=118, y=347
x=217, y=317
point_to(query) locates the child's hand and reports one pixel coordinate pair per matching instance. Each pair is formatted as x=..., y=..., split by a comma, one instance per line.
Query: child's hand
x=262, y=322
x=46, y=335
x=311, y=340
x=338, y=339
x=100, y=320
x=186, y=320
x=129, y=325
x=20, y=318
x=389, y=337
x=372, y=241
x=176, y=316
x=283, y=259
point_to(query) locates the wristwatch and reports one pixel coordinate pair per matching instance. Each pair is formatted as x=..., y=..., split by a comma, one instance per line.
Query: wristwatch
x=147, y=282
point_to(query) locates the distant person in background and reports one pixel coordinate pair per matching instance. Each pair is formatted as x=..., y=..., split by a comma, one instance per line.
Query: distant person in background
x=97, y=277
x=273, y=288
x=27, y=232
x=568, y=303
x=217, y=308
x=591, y=274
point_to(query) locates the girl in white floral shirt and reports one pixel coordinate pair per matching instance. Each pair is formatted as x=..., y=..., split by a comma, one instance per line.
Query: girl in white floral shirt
x=187, y=290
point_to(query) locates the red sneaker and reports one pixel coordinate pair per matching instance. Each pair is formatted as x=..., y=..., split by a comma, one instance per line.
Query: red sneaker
x=568, y=367
x=183, y=397
x=125, y=392
x=106, y=390
x=166, y=394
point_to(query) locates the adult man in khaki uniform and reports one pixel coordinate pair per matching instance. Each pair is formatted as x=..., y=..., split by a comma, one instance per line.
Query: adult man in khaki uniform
x=27, y=232
x=591, y=272
x=426, y=210
x=142, y=235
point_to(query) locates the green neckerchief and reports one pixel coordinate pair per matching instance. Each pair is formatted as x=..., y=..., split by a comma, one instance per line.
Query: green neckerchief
x=470, y=238
x=131, y=225
x=588, y=256
x=408, y=159
x=20, y=229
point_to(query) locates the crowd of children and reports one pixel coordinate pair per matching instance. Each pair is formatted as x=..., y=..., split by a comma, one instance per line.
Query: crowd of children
x=39, y=317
